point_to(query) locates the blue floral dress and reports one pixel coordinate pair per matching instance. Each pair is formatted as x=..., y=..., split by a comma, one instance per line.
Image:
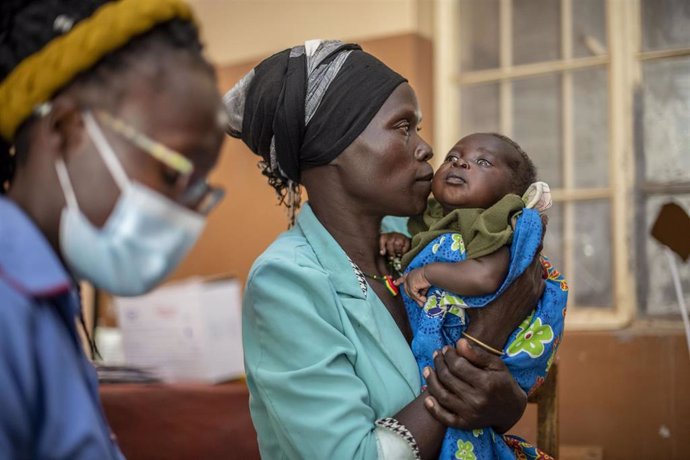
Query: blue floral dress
x=530, y=349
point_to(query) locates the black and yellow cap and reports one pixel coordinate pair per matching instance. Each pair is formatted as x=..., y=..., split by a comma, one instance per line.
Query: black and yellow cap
x=45, y=44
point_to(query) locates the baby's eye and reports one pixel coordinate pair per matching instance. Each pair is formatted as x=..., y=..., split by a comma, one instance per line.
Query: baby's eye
x=451, y=159
x=483, y=162
x=405, y=127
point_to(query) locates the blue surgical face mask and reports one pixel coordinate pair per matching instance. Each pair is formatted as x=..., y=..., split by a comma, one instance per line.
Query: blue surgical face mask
x=145, y=237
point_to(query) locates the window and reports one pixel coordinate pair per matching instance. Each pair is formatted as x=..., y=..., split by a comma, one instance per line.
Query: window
x=591, y=91
x=662, y=142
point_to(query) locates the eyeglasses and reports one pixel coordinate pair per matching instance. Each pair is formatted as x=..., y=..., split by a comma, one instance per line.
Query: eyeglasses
x=202, y=197
x=199, y=196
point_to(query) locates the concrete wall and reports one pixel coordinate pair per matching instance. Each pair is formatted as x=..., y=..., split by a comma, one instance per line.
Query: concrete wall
x=625, y=391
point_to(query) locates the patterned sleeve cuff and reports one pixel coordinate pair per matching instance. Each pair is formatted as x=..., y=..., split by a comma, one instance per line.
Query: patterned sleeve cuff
x=395, y=441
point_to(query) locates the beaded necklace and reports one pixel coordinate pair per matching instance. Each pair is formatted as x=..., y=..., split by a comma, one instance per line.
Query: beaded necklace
x=387, y=280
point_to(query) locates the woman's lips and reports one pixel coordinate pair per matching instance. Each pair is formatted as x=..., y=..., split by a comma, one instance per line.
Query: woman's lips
x=424, y=182
x=426, y=177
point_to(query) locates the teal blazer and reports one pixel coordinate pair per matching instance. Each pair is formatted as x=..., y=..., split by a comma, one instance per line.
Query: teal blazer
x=324, y=358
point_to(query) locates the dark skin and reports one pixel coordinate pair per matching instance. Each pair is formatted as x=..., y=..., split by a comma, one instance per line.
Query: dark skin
x=479, y=276
x=385, y=171
x=181, y=110
x=477, y=172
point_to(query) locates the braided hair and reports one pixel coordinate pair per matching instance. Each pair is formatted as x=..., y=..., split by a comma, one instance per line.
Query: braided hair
x=26, y=26
x=526, y=172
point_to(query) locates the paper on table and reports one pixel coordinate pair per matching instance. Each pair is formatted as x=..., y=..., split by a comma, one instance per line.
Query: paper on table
x=187, y=331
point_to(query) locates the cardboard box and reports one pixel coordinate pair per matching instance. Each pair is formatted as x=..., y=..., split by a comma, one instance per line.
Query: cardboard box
x=185, y=331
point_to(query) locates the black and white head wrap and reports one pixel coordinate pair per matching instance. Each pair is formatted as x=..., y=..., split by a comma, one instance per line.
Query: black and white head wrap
x=302, y=107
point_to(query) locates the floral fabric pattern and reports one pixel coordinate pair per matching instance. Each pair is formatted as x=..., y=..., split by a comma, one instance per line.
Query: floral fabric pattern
x=436, y=246
x=458, y=243
x=530, y=349
x=524, y=450
x=465, y=451
x=532, y=340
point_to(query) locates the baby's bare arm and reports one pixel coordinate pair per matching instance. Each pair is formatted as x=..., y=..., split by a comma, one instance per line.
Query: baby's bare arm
x=479, y=276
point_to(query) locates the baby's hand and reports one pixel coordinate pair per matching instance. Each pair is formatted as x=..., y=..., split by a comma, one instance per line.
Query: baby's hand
x=393, y=244
x=416, y=285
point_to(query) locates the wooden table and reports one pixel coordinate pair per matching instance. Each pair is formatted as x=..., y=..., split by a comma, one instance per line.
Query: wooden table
x=158, y=421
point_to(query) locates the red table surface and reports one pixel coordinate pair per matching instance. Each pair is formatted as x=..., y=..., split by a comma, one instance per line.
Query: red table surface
x=159, y=421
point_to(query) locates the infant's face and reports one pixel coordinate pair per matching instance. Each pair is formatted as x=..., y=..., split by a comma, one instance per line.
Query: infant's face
x=476, y=173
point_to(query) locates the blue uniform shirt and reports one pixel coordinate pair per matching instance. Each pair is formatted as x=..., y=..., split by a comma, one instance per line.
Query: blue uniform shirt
x=49, y=403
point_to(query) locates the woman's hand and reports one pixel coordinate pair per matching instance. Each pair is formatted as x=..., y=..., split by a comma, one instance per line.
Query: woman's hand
x=470, y=388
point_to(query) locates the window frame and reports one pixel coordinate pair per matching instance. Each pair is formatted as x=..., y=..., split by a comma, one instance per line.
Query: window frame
x=623, y=62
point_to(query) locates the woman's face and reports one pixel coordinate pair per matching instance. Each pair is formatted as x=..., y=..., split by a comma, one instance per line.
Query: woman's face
x=386, y=168
x=183, y=112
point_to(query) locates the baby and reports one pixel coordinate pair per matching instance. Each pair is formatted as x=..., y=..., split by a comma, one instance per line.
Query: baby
x=478, y=234
x=480, y=182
